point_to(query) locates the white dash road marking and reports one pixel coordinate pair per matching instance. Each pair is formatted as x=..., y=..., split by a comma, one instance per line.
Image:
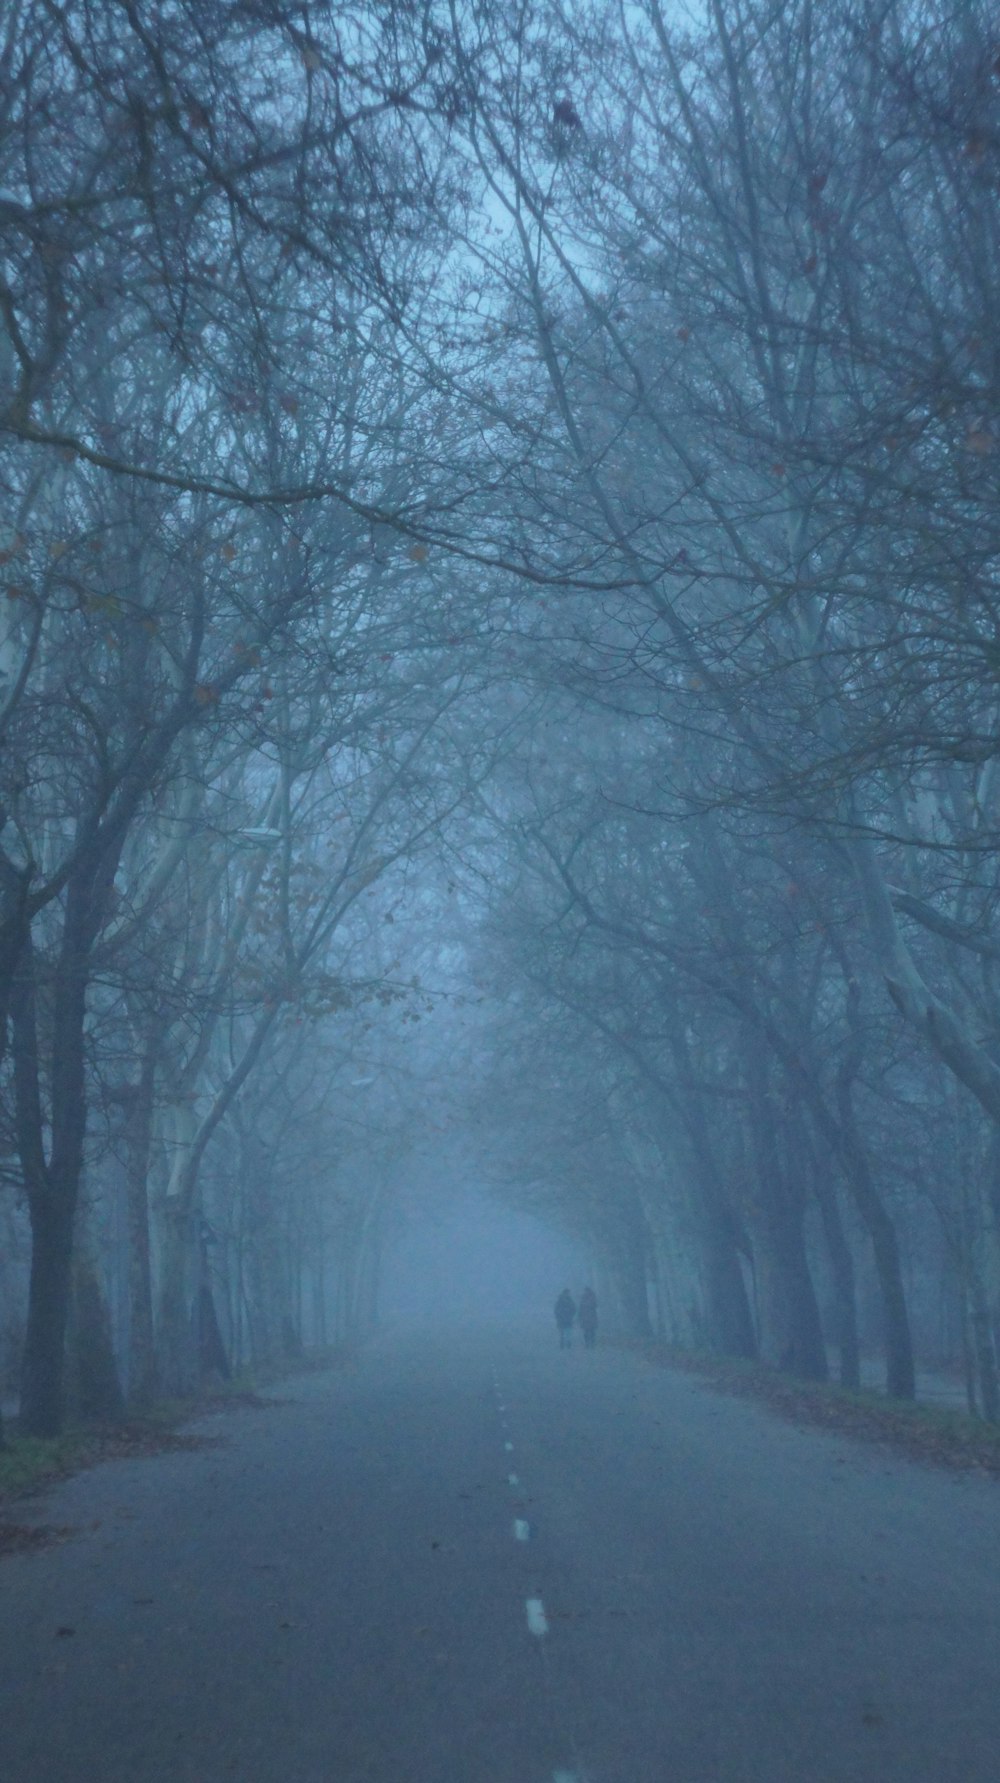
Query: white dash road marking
x=512, y=1479
x=522, y=1530
x=537, y=1620
x=566, y=1777
x=509, y=1446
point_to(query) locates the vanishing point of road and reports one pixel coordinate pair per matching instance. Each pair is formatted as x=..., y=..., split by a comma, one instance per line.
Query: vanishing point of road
x=486, y=1561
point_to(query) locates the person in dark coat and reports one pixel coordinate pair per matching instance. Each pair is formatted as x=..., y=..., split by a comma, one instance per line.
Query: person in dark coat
x=587, y=1315
x=565, y=1314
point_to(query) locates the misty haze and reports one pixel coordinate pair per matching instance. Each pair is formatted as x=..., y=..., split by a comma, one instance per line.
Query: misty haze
x=499, y=891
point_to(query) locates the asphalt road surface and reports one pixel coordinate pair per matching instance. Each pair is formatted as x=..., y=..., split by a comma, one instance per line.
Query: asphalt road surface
x=492, y=1562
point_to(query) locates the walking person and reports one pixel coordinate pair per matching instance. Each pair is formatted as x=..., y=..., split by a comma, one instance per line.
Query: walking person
x=565, y=1314
x=587, y=1315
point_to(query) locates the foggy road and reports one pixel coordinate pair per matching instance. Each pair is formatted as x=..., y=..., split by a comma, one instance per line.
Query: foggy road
x=493, y=1562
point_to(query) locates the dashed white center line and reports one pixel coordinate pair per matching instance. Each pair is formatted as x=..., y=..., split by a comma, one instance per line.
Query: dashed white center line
x=534, y=1608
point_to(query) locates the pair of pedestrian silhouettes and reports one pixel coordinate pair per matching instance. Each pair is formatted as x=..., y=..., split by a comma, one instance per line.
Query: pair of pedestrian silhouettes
x=585, y=1315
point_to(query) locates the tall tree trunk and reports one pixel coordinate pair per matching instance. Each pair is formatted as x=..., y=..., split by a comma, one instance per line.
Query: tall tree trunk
x=841, y=1133
x=730, y=1320
x=633, y=1283
x=806, y=1352
x=801, y=1348
x=52, y=1196
x=43, y=1366
x=14, y=935
x=976, y=1245
x=986, y=1362
x=900, y=1370
x=968, y=1361
x=190, y=1140
x=176, y=1351
x=143, y=1368
x=53, y=1184
x=176, y=1347
x=841, y=1269
x=212, y=1358
x=93, y=1388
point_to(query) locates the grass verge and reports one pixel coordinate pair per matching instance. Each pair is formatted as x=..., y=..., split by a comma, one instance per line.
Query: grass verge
x=943, y=1438
x=29, y=1464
